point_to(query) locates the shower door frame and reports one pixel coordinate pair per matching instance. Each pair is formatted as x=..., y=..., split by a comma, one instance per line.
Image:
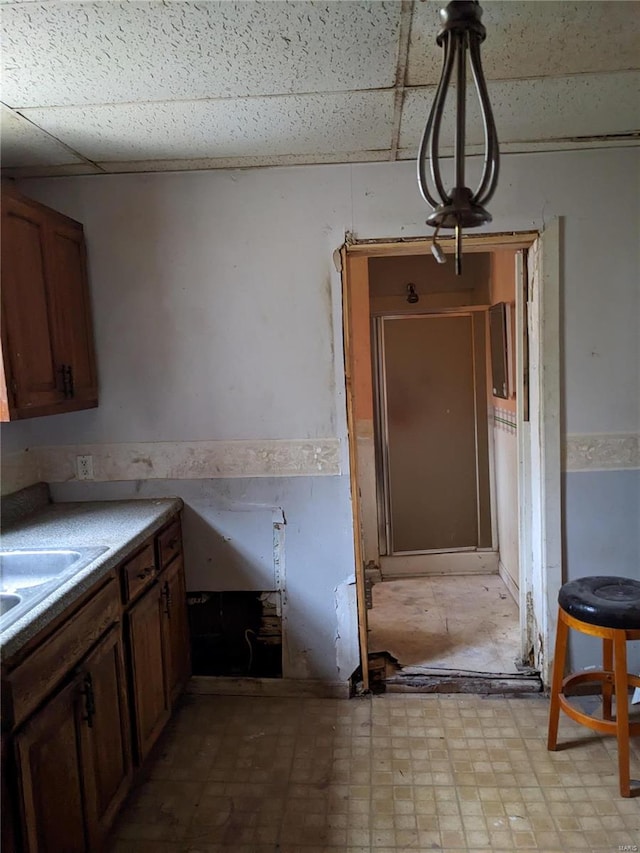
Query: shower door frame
x=383, y=485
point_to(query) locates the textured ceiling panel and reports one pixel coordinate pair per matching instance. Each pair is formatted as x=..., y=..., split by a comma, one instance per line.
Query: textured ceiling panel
x=295, y=124
x=82, y=53
x=26, y=145
x=554, y=108
x=535, y=38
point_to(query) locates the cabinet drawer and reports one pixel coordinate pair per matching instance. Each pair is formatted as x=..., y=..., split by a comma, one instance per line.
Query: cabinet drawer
x=138, y=572
x=169, y=543
x=30, y=683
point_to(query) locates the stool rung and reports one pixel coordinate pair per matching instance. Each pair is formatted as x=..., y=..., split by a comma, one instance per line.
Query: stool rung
x=600, y=675
x=607, y=727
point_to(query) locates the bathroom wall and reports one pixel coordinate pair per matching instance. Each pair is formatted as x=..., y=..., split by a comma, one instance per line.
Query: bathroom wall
x=505, y=441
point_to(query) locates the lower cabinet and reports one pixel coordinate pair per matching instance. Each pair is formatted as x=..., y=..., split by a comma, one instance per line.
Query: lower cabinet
x=74, y=756
x=48, y=751
x=176, y=629
x=105, y=743
x=148, y=681
x=70, y=749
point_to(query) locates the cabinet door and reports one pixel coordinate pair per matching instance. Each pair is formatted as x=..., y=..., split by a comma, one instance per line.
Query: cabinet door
x=106, y=752
x=70, y=309
x=28, y=347
x=9, y=837
x=47, y=750
x=176, y=629
x=146, y=649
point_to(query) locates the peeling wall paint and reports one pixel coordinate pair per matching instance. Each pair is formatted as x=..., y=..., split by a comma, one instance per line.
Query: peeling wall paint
x=166, y=460
x=347, y=656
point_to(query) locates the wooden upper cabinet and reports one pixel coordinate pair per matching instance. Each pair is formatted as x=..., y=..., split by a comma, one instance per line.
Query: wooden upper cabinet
x=47, y=342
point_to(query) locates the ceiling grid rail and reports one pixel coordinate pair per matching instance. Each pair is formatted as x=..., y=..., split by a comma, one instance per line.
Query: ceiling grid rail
x=404, y=40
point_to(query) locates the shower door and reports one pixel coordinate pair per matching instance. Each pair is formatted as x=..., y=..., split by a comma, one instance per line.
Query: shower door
x=433, y=486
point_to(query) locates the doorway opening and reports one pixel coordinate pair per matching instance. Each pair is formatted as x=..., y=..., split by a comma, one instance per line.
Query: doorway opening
x=437, y=387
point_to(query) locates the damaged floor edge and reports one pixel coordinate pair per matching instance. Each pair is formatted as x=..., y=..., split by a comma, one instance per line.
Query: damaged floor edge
x=446, y=634
x=388, y=676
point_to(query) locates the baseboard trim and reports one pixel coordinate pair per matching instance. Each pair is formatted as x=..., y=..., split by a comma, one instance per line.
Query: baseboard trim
x=509, y=582
x=454, y=563
x=215, y=685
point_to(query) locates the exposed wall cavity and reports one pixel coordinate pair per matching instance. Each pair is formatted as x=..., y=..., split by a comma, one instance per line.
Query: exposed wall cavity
x=235, y=633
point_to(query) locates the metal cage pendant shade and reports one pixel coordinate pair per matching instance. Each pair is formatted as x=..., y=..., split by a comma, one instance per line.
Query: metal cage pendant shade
x=462, y=32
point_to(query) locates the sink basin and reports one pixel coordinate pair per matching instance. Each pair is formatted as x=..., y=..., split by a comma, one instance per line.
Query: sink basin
x=28, y=576
x=26, y=569
x=8, y=600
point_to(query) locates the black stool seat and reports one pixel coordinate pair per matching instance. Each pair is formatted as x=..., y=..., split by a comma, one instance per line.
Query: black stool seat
x=610, y=602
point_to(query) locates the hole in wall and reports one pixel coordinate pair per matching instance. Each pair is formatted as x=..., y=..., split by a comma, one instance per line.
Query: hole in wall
x=235, y=634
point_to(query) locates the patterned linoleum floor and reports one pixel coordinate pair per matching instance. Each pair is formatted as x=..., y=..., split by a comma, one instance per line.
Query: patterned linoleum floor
x=384, y=773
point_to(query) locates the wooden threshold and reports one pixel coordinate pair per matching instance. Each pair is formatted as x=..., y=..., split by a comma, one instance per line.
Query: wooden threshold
x=477, y=684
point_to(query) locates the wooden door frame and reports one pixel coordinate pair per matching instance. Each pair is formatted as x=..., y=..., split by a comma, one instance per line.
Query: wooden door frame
x=539, y=484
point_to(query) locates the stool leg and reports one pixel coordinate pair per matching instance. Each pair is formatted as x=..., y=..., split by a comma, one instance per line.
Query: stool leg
x=556, y=681
x=622, y=711
x=607, y=689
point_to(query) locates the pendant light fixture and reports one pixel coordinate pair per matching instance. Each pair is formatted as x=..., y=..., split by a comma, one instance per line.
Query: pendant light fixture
x=462, y=32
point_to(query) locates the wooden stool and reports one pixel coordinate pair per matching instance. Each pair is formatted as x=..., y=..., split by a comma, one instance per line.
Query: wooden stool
x=606, y=607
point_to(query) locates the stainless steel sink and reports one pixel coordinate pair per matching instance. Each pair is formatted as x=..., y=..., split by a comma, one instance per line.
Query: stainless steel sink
x=28, y=576
x=8, y=600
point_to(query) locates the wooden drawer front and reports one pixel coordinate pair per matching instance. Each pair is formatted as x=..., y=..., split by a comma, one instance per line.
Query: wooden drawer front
x=139, y=572
x=169, y=543
x=50, y=663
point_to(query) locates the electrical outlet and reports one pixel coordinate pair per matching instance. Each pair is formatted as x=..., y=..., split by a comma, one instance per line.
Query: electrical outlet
x=84, y=467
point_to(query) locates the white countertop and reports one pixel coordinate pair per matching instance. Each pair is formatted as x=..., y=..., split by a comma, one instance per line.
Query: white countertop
x=118, y=526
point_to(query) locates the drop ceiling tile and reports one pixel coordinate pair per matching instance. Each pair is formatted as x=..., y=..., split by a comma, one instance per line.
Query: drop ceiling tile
x=536, y=110
x=250, y=127
x=535, y=38
x=22, y=144
x=96, y=52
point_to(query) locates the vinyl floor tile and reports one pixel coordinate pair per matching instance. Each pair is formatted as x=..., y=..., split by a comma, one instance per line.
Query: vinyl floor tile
x=386, y=773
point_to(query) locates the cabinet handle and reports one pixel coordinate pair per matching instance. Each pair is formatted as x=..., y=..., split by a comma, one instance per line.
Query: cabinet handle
x=66, y=376
x=89, y=699
x=166, y=594
x=62, y=371
x=145, y=573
